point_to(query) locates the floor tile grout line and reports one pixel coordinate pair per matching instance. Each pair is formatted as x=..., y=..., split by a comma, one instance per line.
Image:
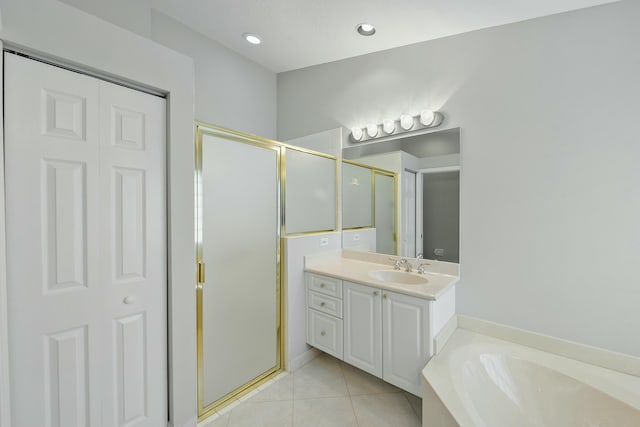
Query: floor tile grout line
x=346, y=383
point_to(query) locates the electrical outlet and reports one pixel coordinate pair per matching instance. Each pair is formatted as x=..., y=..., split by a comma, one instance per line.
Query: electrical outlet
x=356, y=237
x=438, y=252
x=324, y=241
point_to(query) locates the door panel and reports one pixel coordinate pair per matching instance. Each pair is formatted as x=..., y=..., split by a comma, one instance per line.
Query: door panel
x=133, y=254
x=87, y=328
x=408, y=214
x=240, y=240
x=66, y=378
x=385, y=213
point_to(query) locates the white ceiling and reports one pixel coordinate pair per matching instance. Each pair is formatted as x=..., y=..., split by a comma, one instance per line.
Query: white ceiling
x=301, y=33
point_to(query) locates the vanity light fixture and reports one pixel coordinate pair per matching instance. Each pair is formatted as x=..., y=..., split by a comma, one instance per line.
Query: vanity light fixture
x=357, y=134
x=252, y=38
x=405, y=124
x=427, y=117
x=365, y=29
x=372, y=130
x=388, y=126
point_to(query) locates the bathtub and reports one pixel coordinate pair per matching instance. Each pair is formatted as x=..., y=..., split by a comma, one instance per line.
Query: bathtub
x=482, y=381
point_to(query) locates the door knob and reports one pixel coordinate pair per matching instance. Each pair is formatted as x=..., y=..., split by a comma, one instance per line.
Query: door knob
x=129, y=299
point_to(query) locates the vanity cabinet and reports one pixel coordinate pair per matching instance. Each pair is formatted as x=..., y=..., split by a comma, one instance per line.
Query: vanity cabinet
x=387, y=334
x=324, y=314
x=384, y=333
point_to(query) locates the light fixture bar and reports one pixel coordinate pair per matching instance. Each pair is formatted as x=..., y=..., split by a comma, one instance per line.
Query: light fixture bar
x=405, y=124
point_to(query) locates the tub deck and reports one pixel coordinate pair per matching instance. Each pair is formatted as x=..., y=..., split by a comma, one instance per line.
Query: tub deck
x=478, y=380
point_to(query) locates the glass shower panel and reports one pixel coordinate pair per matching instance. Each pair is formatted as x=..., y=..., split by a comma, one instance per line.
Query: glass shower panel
x=240, y=240
x=356, y=196
x=310, y=192
x=385, y=213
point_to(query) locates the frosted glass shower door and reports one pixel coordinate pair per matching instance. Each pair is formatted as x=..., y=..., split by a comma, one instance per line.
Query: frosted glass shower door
x=239, y=225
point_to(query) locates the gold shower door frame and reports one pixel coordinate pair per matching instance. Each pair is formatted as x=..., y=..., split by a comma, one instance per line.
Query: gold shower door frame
x=202, y=129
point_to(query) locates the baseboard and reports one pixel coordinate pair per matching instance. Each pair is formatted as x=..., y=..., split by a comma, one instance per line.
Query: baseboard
x=299, y=361
x=445, y=333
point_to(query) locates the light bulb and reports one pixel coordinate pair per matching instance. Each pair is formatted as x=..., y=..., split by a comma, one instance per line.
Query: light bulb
x=388, y=126
x=357, y=134
x=406, y=121
x=372, y=130
x=427, y=117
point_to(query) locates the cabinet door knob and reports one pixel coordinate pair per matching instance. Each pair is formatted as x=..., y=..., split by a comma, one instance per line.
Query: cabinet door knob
x=129, y=299
x=384, y=296
x=322, y=304
x=322, y=285
x=375, y=293
x=323, y=333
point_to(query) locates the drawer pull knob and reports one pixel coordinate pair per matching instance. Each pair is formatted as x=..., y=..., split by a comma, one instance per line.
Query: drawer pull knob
x=322, y=304
x=384, y=296
x=323, y=333
x=375, y=293
x=322, y=285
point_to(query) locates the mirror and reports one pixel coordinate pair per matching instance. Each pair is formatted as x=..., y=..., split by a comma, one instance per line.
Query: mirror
x=423, y=201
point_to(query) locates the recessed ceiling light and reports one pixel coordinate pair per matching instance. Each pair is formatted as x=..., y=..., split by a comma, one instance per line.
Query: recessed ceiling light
x=365, y=29
x=252, y=38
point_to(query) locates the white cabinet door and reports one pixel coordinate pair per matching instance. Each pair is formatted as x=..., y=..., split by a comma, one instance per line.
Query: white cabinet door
x=406, y=341
x=362, y=328
x=86, y=249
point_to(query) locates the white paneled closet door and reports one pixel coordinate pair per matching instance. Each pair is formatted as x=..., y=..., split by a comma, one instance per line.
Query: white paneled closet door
x=86, y=249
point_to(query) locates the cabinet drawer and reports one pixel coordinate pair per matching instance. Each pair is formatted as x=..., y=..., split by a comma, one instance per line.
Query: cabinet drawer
x=325, y=285
x=324, y=303
x=324, y=332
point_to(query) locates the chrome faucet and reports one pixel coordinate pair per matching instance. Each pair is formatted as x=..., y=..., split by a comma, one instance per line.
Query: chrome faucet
x=419, y=256
x=422, y=268
x=407, y=265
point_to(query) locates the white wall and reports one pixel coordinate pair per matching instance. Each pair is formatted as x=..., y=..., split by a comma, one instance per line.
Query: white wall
x=549, y=181
x=67, y=34
x=230, y=90
x=133, y=15
x=295, y=249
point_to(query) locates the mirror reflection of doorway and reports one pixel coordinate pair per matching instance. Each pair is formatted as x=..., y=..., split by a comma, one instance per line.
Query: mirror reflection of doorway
x=438, y=205
x=385, y=212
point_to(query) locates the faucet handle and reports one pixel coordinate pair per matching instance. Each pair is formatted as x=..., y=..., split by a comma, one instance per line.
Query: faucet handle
x=419, y=255
x=397, y=262
x=422, y=268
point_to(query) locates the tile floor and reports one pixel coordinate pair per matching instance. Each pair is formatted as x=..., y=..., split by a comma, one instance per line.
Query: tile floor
x=324, y=393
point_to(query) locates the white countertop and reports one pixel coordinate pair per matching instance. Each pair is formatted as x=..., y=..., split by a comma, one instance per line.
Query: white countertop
x=356, y=270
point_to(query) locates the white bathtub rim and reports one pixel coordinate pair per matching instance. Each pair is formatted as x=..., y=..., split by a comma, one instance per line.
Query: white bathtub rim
x=437, y=373
x=620, y=362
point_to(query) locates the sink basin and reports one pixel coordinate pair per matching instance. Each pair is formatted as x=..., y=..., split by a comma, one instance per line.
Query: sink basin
x=395, y=276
